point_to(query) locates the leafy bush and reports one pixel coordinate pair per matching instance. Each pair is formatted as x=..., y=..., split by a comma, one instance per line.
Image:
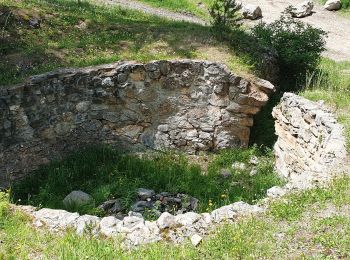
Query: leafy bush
x=345, y=3
x=299, y=46
x=225, y=14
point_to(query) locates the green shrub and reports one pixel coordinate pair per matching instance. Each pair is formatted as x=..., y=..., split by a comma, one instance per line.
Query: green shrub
x=299, y=47
x=346, y=3
x=224, y=14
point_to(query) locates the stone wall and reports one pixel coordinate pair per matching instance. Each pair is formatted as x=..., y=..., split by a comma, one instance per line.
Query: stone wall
x=310, y=141
x=188, y=105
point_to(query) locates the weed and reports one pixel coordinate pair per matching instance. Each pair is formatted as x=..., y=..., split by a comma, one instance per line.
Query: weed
x=105, y=174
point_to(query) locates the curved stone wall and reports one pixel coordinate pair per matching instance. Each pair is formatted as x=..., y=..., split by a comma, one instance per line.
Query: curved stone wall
x=188, y=105
x=310, y=141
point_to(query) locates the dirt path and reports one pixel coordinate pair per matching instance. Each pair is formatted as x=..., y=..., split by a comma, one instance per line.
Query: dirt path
x=155, y=11
x=337, y=27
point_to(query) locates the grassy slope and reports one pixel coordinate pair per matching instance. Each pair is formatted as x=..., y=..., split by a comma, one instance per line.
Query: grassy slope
x=72, y=35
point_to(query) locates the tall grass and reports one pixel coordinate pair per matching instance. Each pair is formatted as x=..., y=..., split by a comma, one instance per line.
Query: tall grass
x=331, y=83
x=105, y=173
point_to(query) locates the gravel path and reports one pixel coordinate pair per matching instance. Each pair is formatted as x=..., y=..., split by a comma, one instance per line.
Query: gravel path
x=156, y=11
x=337, y=27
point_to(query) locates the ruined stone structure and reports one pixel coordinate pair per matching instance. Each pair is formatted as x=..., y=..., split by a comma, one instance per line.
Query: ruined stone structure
x=310, y=141
x=188, y=105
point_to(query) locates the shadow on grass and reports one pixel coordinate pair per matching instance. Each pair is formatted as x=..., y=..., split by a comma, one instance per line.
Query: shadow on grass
x=73, y=35
x=80, y=35
x=105, y=173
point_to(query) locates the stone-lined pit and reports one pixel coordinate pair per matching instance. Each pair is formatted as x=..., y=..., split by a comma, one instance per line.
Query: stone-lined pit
x=188, y=105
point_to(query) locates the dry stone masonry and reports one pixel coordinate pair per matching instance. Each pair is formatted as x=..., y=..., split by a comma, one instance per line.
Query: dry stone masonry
x=188, y=105
x=135, y=230
x=310, y=141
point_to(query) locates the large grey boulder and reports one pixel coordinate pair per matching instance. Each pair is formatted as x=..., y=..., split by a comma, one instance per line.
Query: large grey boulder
x=332, y=5
x=77, y=198
x=303, y=9
x=252, y=12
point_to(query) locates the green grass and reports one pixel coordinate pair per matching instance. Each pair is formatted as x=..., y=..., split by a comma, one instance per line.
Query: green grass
x=331, y=83
x=307, y=234
x=73, y=35
x=105, y=173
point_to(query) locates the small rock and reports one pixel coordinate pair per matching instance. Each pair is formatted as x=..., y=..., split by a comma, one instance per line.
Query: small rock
x=302, y=10
x=239, y=166
x=135, y=214
x=55, y=218
x=196, y=239
x=206, y=217
x=275, y=192
x=193, y=203
x=108, y=225
x=87, y=223
x=166, y=220
x=34, y=23
x=225, y=173
x=111, y=206
x=141, y=206
x=254, y=160
x=252, y=12
x=243, y=208
x=223, y=213
x=253, y=172
x=77, y=198
x=107, y=82
x=332, y=5
x=144, y=194
x=187, y=219
x=131, y=222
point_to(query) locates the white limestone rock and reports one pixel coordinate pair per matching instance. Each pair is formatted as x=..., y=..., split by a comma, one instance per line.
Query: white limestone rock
x=55, y=218
x=303, y=9
x=332, y=5
x=187, y=219
x=276, y=192
x=196, y=239
x=252, y=12
x=166, y=220
x=87, y=223
x=108, y=226
x=243, y=208
x=224, y=213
